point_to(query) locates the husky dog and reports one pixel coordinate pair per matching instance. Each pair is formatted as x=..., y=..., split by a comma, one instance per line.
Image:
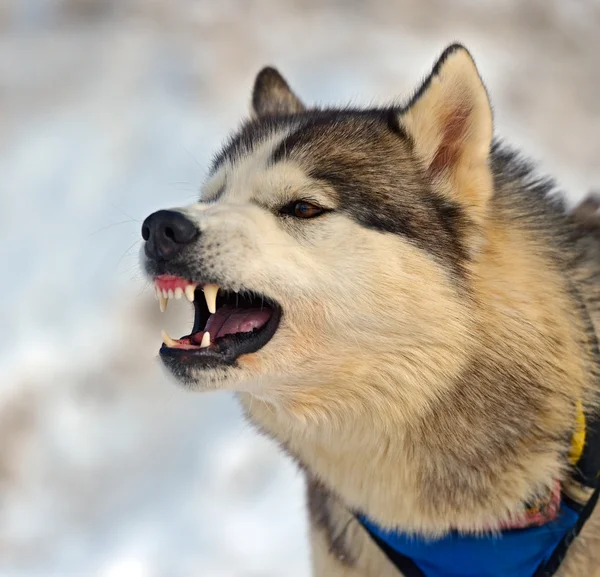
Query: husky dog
x=410, y=312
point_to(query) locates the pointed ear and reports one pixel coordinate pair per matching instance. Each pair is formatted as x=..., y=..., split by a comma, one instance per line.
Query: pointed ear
x=272, y=95
x=449, y=121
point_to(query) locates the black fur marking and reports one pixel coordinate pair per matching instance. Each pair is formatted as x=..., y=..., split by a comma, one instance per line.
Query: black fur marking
x=393, y=122
x=366, y=157
x=255, y=130
x=432, y=223
x=454, y=222
x=312, y=120
x=251, y=132
x=319, y=508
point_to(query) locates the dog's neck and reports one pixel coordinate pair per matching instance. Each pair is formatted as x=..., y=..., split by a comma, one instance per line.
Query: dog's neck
x=413, y=475
x=491, y=439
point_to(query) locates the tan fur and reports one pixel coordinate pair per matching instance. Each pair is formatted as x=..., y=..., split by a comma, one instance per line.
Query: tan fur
x=431, y=394
x=391, y=488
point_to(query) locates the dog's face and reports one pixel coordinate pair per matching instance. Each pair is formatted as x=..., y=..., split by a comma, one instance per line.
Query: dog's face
x=339, y=241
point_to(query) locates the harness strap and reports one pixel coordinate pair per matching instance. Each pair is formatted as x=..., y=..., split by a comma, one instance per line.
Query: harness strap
x=548, y=568
x=587, y=467
x=558, y=555
x=404, y=564
x=584, y=456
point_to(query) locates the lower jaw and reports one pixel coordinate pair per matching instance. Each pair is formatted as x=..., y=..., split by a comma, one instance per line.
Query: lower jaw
x=182, y=362
x=222, y=353
x=197, y=357
x=211, y=375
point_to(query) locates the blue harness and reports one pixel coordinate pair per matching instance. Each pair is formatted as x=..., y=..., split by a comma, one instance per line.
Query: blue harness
x=514, y=553
x=529, y=552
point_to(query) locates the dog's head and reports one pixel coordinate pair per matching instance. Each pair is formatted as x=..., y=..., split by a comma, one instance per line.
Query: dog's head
x=333, y=244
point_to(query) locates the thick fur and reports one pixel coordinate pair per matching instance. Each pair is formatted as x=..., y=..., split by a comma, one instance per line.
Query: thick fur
x=439, y=319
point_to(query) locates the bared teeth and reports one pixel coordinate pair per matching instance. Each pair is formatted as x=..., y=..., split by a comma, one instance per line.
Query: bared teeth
x=205, y=340
x=210, y=294
x=168, y=340
x=189, y=292
x=177, y=289
x=163, y=295
x=162, y=302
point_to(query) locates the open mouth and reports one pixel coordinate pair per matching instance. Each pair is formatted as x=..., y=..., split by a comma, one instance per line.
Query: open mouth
x=227, y=324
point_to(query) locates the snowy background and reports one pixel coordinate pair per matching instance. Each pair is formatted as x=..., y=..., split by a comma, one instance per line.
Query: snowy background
x=110, y=109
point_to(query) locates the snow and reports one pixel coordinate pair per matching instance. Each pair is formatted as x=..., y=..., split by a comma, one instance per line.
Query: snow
x=111, y=109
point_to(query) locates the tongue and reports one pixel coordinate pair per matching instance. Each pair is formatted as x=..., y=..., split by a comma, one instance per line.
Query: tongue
x=229, y=320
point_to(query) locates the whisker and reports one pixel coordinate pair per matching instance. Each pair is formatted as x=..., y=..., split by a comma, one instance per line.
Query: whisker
x=110, y=226
x=126, y=252
x=192, y=156
x=123, y=212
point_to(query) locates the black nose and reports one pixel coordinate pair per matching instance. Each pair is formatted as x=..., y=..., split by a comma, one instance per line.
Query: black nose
x=166, y=233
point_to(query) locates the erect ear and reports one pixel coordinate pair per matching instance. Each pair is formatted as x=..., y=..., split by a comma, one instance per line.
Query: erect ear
x=449, y=121
x=272, y=95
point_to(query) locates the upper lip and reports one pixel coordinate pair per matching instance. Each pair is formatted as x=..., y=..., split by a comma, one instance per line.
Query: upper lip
x=168, y=287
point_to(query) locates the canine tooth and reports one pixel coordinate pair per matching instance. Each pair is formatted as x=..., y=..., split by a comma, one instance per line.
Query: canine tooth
x=170, y=293
x=165, y=293
x=167, y=339
x=162, y=301
x=210, y=294
x=205, y=340
x=178, y=293
x=189, y=292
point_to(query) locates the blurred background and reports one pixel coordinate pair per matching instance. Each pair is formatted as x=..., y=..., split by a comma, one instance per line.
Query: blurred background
x=110, y=109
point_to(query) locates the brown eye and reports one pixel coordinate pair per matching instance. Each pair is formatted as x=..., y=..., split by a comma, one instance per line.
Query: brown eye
x=302, y=209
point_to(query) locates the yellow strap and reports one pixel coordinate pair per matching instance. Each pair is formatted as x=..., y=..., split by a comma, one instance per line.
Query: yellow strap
x=578, y=440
